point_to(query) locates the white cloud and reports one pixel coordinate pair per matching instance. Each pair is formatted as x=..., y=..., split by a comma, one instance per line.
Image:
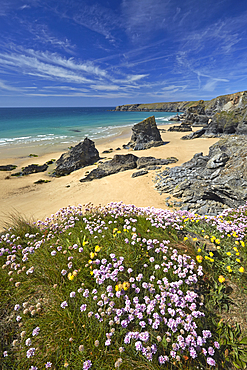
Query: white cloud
x=4, y=86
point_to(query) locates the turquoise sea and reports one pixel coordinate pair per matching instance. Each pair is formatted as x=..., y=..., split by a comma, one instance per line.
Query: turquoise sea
x=42, y=126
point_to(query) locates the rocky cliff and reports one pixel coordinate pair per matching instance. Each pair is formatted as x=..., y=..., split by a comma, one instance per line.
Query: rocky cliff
x=157, y=107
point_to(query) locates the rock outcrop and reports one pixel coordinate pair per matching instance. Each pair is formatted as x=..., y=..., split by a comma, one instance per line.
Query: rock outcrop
x=34, y=168
x=226, y=114
x=8, y=167
x=145, y=134
x=79, y=156
x=121, y=162
x=181, y=128
x=208, y=184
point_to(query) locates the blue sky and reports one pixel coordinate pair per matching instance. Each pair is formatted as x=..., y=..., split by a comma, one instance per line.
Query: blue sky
x=107, y=53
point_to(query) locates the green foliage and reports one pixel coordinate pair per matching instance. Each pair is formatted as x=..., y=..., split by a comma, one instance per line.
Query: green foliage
x=74, y=241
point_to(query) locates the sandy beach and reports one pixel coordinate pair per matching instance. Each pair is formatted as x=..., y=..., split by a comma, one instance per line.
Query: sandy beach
x=19, y=195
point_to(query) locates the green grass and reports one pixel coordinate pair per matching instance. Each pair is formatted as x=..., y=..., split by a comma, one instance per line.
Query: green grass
x=50, y=272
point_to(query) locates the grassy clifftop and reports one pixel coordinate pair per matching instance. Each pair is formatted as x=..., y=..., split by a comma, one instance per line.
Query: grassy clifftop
x=224, y=102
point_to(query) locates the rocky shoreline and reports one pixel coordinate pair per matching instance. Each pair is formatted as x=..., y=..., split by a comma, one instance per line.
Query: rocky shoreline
x=209, y=184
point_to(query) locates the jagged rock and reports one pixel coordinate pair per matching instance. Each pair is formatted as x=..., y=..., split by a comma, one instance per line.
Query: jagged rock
x=123, y=163
x=194, y=135
x=79, y=156
x=151, y=161
x=218, y=160
x=139, y=173
x=209, y=184
x=181, y=128
x=34, y=168
x=145, y=135
x=117, y=164
x=8, y=167
x=175, y=118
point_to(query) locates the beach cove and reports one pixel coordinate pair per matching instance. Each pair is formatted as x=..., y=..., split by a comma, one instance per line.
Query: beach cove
x=20, y=195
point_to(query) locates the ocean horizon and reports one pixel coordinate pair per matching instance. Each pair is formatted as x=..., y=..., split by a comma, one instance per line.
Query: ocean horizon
x=66, y=125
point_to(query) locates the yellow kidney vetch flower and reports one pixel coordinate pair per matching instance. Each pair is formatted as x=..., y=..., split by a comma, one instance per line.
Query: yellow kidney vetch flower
x=228, y=253
x=238, y=260
x=92, y=255
x=221, y=279
x=229, y=268
x=199, y=259
x=97, y=248
x=242, y=243
x=126, y=285
x=241, y=269
x=70, y=276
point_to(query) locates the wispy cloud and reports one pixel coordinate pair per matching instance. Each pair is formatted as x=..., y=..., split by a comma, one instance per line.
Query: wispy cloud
x=6, y=87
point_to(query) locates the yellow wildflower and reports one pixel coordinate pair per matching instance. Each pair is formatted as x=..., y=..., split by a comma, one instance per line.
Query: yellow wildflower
x=242, y=243
x=238, y=260
x=199, y=259
x=91, y=272
x=235, y=248
x=97, y=248
x=84, y=242
x=206, y=237
x=118, y=287
x=199, y=250
x=237, y=242
x=211, y=259
x=229, y=268
x=203, y=231
x=74, y=273
x=221, y=279
x=237, y=253
x=228, y=253
x=70, y=276
x=194, y=239
x=126, y=285
x=185, y=238
x=119, y=232
x=217, y=241
x=211, y=254
x=92, y=255
x=241, y=269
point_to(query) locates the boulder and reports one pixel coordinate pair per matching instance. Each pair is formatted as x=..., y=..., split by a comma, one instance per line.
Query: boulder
x=117, y=164
x=151, y=161
x=181, y=128
x=219, y=160
x=79, y=156
x=139, y=173
x=145, y=135
x=8, y=167
x=194, y=135
x=124, y=162
x=34, y=168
